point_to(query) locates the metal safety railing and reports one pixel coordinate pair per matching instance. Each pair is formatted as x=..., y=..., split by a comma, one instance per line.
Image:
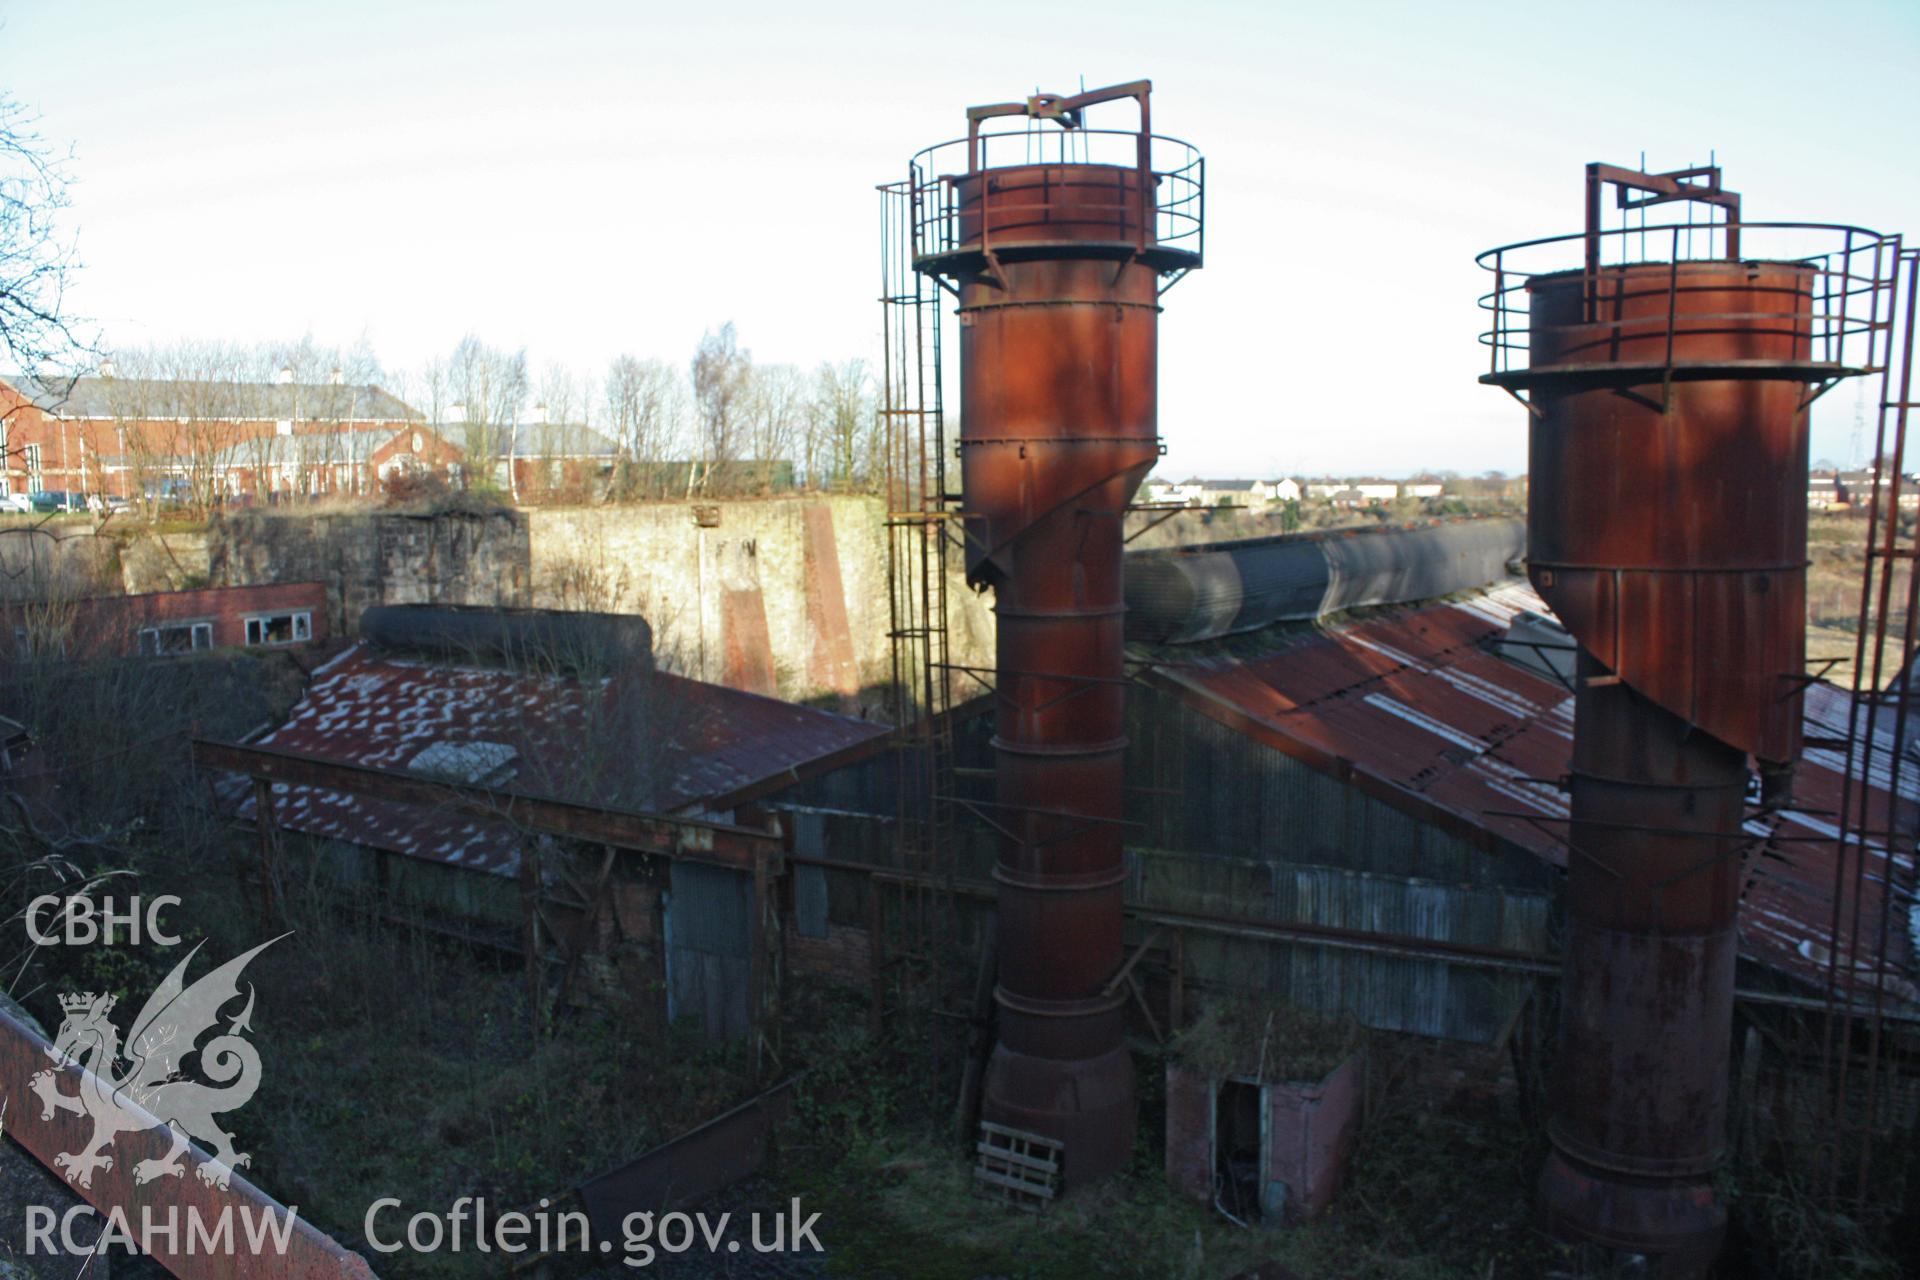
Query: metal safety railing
x=912, y=940
x=1168, y=200
x=1865, y=1059
x=1841, y=318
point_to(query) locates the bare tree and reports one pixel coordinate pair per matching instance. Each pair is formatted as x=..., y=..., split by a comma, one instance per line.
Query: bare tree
x=492, y=385
x=721, y=368
x=775, y=406
x=646, y=406
x=569, y=400
x=178, y=408
x=844, y=412
x=36, y=261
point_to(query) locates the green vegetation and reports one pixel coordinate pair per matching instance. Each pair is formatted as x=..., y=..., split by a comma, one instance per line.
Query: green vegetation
x=1836, y=552
x=1266, y=1039
x=1434, y=1191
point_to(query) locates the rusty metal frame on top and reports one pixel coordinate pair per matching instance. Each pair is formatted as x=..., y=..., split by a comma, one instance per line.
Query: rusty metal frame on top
x=1852, y=299
x=1184, y=210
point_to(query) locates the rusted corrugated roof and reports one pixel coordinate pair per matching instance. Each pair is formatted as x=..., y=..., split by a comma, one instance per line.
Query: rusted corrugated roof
x=1415, y=707
x=653, y=742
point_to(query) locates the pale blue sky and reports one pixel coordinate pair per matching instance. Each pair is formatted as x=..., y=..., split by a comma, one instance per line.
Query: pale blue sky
x=586, y=179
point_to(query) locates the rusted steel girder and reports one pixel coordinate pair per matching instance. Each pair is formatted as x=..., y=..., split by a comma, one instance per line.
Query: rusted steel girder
x=1667, y=529
x=1057, y=269
x=180, y=1201
x=739, y=848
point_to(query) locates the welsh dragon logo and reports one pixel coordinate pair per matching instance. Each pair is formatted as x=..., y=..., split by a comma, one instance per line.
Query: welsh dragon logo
x=163, y=1037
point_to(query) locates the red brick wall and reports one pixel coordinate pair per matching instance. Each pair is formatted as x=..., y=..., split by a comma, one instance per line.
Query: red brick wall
x=842, y=956
x=25, y=425
x=1312, y=1130
x=1190, y=1133
x=93, y=455
x=434, y=454
x=108, y=626
x=364, y=477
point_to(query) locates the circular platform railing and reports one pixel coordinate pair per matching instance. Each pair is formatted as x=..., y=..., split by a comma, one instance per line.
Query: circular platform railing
x=1172, y=200
x=1834, y=309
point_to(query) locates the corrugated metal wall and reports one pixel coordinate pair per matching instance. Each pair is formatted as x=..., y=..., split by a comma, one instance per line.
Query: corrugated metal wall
x=709, y=911
x=1427, y=996
x=1202, y=786
x=1227, y=824
x=1224, y=824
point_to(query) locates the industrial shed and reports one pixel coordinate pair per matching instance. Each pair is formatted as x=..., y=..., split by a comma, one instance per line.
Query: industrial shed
x=1435, y=712
x=1363, y=814
x=427, y=784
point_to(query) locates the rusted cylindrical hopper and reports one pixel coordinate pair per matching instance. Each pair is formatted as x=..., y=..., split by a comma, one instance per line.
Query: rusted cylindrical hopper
x=1667, y=529
x=1058, y=271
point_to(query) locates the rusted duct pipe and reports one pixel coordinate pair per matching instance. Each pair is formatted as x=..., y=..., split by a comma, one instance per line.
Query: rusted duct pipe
x=1646, y=998
x=1667, y=529
x=1058, y=271
x=1187, y=594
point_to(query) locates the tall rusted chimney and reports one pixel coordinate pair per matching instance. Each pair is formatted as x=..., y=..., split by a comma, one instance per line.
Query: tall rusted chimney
x=1667, y=371
x=1058, y=245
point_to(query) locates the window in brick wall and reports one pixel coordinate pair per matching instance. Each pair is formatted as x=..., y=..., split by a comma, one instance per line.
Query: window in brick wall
x=177, y=637
x=280, y=628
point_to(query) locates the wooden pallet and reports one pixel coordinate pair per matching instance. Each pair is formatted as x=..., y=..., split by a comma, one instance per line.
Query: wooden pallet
x=1019, y=1167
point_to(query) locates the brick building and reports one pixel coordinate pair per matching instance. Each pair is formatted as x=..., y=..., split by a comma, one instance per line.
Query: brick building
x=166, y=622
x=334, y=462
x=535, y=459
x=135, y=437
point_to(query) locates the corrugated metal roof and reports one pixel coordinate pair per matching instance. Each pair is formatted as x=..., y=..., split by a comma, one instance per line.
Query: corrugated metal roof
x=99, y=398
x=654, y=742
x=1415, y=707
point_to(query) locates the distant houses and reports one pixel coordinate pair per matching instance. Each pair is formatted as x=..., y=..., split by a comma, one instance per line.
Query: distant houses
x=336, y=462
x=541, y=457
x=138, y=437
x=217, y=441
x=1224, y=493
x=1197, y=492
x=1844, y=490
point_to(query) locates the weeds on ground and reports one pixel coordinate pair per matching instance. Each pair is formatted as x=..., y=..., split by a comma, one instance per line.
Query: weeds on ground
x=1431, y=1193
x=1783, y=1232
x=405, y=1066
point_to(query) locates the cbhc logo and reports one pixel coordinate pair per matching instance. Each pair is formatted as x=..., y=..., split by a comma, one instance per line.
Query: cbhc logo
x=82, y=921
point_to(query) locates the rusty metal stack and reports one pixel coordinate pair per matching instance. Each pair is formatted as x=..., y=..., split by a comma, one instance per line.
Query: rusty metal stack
x=1057, y=261
x=1668, y=378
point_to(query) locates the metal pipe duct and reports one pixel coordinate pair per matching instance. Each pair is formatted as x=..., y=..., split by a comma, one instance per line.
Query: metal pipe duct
x=1186, y=594
x=1667, y=528
x=1058, y=265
